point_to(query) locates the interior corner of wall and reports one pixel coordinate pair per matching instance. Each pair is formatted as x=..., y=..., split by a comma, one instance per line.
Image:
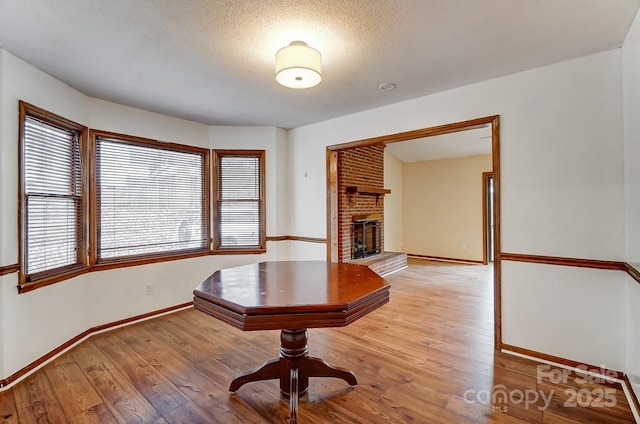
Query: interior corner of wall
x=2, y=332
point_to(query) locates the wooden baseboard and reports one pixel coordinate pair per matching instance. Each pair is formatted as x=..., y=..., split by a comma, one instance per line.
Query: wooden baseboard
x=442, y=258
x=622, y=378
x=87, y=333
x=605, y=372
x=632, y=393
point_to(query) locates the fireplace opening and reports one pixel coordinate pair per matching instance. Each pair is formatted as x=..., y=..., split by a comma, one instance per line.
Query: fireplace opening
x=366, y=238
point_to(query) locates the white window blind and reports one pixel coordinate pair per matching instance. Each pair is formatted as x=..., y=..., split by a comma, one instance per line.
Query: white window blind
x=239, y=201
x=52, y=186
x=151, y=199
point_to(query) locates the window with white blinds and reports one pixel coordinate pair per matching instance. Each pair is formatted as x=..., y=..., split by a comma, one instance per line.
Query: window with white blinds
x=52, y=195
x=151, y=198
x=122, y=200
x=239, y=212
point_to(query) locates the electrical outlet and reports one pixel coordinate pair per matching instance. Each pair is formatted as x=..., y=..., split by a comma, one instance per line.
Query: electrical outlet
x=150, y=289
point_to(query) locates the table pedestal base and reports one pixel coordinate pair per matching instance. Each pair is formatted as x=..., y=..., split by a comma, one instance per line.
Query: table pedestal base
x=293, y=368
x=294, y=354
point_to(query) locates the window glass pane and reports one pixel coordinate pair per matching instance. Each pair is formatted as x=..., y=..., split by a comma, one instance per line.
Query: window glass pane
x=240, y=177
x=52, y=196
x=239, y=202
x=150, y=199
x=51, y=158
x=52, y=233
x=239, y=224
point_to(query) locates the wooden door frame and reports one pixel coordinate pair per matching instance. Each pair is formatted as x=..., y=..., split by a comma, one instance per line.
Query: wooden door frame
x=485, y=226
x=332, y=193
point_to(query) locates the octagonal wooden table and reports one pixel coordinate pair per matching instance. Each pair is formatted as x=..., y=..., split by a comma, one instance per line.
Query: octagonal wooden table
x=292, y=297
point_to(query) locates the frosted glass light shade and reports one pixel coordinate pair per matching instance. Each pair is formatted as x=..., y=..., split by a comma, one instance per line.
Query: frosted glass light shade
x=298, y=66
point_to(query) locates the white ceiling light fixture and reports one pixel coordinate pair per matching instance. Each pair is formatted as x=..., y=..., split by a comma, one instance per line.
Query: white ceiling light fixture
x=298, y=66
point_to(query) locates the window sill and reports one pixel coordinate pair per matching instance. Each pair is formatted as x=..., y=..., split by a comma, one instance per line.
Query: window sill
x=105, y=264
x=110, y=264
x=127, y=262
x=42, y=282
x=230, y=251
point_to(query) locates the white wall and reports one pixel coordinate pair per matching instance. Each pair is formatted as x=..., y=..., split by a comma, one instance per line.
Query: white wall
x=443, y=207
x=631, y=106
x=39, y=321
x=31, y=314
x=631, y=110
x=563, y=310
x=393, y=222
x=308, y=185
x=562, y=184
x=632, y=305
x=3, y=159
x=283, y=182
x=116, y=118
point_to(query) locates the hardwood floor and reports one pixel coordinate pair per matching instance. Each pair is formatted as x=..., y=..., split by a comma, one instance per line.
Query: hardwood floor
x=426, y=357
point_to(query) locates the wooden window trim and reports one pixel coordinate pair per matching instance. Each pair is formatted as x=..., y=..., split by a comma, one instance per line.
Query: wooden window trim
x=262, y=248
x=133, y=260
x=89, y=223
x=28, y=282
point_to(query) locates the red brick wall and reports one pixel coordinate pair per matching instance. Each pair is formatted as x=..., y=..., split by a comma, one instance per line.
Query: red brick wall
x=359, y=166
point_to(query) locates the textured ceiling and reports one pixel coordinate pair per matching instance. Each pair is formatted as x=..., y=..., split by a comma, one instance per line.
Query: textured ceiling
x=458, y=144
x=211, y=61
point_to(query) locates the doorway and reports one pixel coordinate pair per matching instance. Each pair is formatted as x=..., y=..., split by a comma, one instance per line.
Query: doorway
x=493, y=232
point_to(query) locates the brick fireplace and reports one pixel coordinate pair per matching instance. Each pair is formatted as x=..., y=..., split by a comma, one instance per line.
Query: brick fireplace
x=360, y=199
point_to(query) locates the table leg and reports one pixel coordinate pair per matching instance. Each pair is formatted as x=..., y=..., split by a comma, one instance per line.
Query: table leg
x=320, y=368
x=267, y=371
x=293, y=397
x=294, y=355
